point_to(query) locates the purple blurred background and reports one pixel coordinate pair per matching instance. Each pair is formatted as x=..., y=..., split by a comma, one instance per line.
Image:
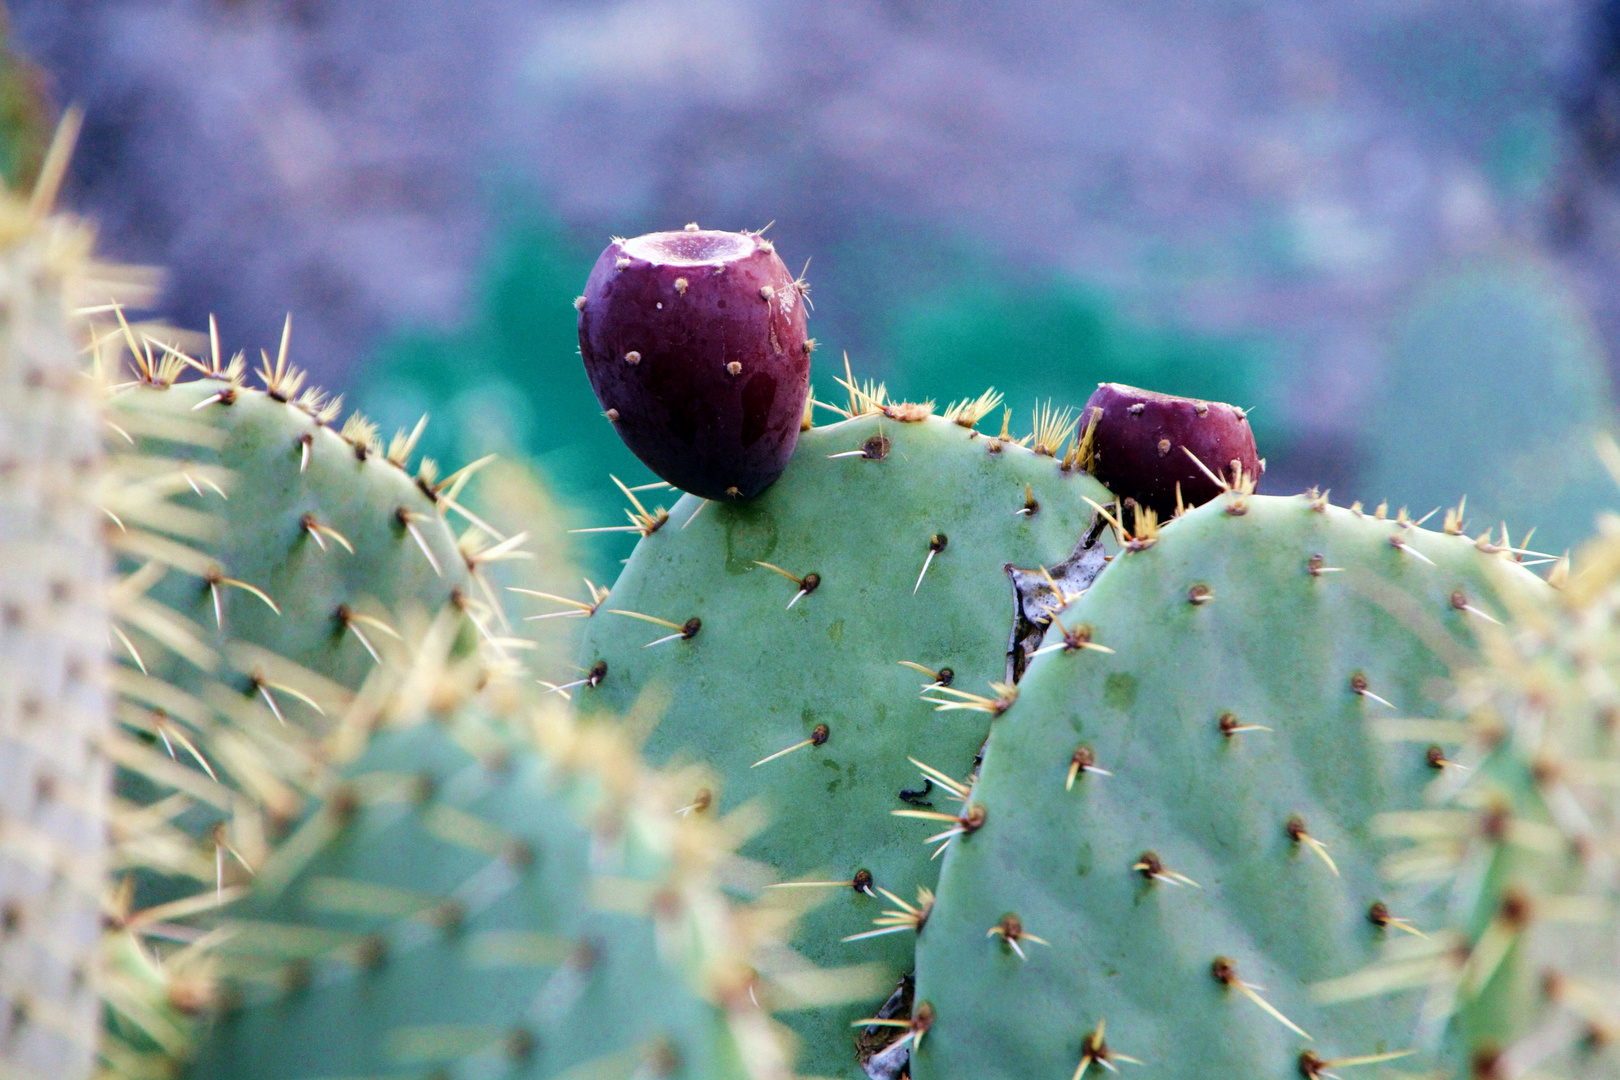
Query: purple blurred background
x=1399, y=217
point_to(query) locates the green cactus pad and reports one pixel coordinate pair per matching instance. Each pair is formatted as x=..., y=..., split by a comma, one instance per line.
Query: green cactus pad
x=468, y=904
x=322, y=525
x=270, y=565
x=864, y=505
x=1244, y=734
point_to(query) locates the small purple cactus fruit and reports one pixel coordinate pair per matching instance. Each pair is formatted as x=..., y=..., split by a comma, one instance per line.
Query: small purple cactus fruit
x=1144, y=444
x=694, y=342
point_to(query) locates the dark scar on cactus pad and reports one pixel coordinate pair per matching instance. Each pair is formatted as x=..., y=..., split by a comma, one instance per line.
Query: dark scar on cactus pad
x=915, y=798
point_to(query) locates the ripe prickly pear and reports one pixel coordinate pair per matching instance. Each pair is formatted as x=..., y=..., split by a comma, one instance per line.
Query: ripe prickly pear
x=694, y=342
x=1143, y=445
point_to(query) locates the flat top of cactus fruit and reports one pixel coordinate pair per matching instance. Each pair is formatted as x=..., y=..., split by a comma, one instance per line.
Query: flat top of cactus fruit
x=700, y=247
x=1153, y=395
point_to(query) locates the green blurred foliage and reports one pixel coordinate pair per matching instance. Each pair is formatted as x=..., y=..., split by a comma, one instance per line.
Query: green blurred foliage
x=25, y=115
x=1496, y=387
x=1055, y=338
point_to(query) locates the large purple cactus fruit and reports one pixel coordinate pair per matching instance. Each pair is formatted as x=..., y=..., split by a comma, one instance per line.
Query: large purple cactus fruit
x=695, y=344
x=1144, y=444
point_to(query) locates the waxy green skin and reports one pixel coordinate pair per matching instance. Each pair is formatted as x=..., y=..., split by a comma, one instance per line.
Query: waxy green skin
x=261, y=538
x=758, y=677
x=536, y=978
x=1277, y=647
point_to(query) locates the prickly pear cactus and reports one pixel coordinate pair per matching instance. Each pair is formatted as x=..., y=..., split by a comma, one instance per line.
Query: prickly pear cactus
x=1523, y=977
x=296, y=539
x=792, y=633
x=54, y=712
x=271, y=566
x=1170, y=841
x=468, y=903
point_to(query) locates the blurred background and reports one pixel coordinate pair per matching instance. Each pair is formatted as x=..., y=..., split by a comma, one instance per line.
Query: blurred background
x=1390, y=227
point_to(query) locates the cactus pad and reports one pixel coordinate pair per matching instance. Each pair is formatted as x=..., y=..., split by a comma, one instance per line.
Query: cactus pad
x=1168, y=828
x=788, y=620
x=468, y=903
x=311, y=540
x=271, y=565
